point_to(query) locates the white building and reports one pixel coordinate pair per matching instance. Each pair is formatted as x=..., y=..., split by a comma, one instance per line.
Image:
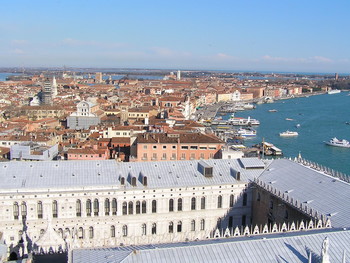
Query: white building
x=84, y=117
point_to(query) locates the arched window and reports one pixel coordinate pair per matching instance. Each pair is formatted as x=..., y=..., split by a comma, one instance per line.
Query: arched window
x=144, y=207
x=218, y=223
x=40, y=209
x=171, y=227
x=78, y=208
x=144, y=180
x=179, y=226
x=202, y=224
x=91, y=232
x=133, y=181
x=171, y=205
x=193, y=203
x=24, y=210
x=193, y=225
x=107, y=207
x=258, y=197
x=114, y=206
x=125, y=230
x=131, y=208
x=244, y=202
x=220, y=201
x=144, y=229
x=179, y=204
x=81, y=233
x=232, y=200
x=15, y=210
x=60, y=232
x=54, y=209
x=271, y=204
x=138, y=207
x=154, y=206
x=66, y=232
x=96, y=207
x=88, y=207
x=42, y=232
x=112, y=231
x=154, y=228
x=125, y=208
x=286, y=214
x=203, y=202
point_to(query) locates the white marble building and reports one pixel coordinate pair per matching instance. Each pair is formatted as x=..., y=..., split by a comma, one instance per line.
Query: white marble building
x=105, y=203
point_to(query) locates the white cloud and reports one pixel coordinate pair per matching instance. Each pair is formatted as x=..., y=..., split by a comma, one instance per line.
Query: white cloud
x=17, y=51
x=19, y=42
x=76, y=43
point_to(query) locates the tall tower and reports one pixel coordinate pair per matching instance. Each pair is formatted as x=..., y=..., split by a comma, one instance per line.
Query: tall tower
x=98, y=77
x=47, y=93
x=54, y=87
x=178, y=75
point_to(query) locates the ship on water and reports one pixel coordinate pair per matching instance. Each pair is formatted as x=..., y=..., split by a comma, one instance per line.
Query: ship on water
x=338, y=143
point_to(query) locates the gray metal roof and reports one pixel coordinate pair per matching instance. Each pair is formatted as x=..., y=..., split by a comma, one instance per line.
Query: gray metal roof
x=289, y=247
x=319, y=191
x=27, y=176
x=251, y=163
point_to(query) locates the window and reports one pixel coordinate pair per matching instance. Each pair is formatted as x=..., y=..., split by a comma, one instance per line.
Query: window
x=131, y=208
x=171, y=227
x=202, y=224
x=144, y=156
x=154, y=206
x=193, y=156
x=202, y=147
x=112, y=231
x=154, y=156
x=144, y=229
x=81, y=233
x=114, y=206
x=183, y=156
x=211, y=155
x=78, y=208
x=193, y=203
x=173, y=156
x=244, y=199
x=179, y=226
x=154, y=147
x=96, y=207
x=193, y=225
x=154, y=228
x=125, y=230
x=258, y=197
x=271, y=204
x=144, y=207
x=174, y=146
x=54, y=209
x=179, y=204
x=40, y=209
x=220, y=201
x=203, y=202
x=171, y=205
x=138, y=207
x=107, y=207
x=91, y=232
x=194, y=147
x=24, y=210
x=184, y=147
x=125, y=208
x=88, y=207
x=232, y=200
x=202, y=155
x=133, y=181
x=145, y=147
x=164, y=156
x=164, y=146
x=15, y=210
x=230, y=221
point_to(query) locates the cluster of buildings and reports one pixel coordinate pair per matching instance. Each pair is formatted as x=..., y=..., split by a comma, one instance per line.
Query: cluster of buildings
x=122, y=172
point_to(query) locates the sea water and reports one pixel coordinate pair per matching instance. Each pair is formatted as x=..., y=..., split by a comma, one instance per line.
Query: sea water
x=321, y=118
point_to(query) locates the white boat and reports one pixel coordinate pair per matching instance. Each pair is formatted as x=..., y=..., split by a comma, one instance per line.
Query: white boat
x=298, y=125
x=338, y=143
x=248, y=106
x=334, y=91
x=242, y=121
x=273, y=110
x=246, y=132
x=289, y=134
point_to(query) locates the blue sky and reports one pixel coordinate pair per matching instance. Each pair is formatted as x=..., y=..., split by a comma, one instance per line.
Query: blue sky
x=271, y=35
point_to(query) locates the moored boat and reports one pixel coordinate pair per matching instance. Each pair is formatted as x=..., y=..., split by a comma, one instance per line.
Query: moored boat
x=246, y=132
x=338, y=143
x=289, y=134
x=333, y=91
